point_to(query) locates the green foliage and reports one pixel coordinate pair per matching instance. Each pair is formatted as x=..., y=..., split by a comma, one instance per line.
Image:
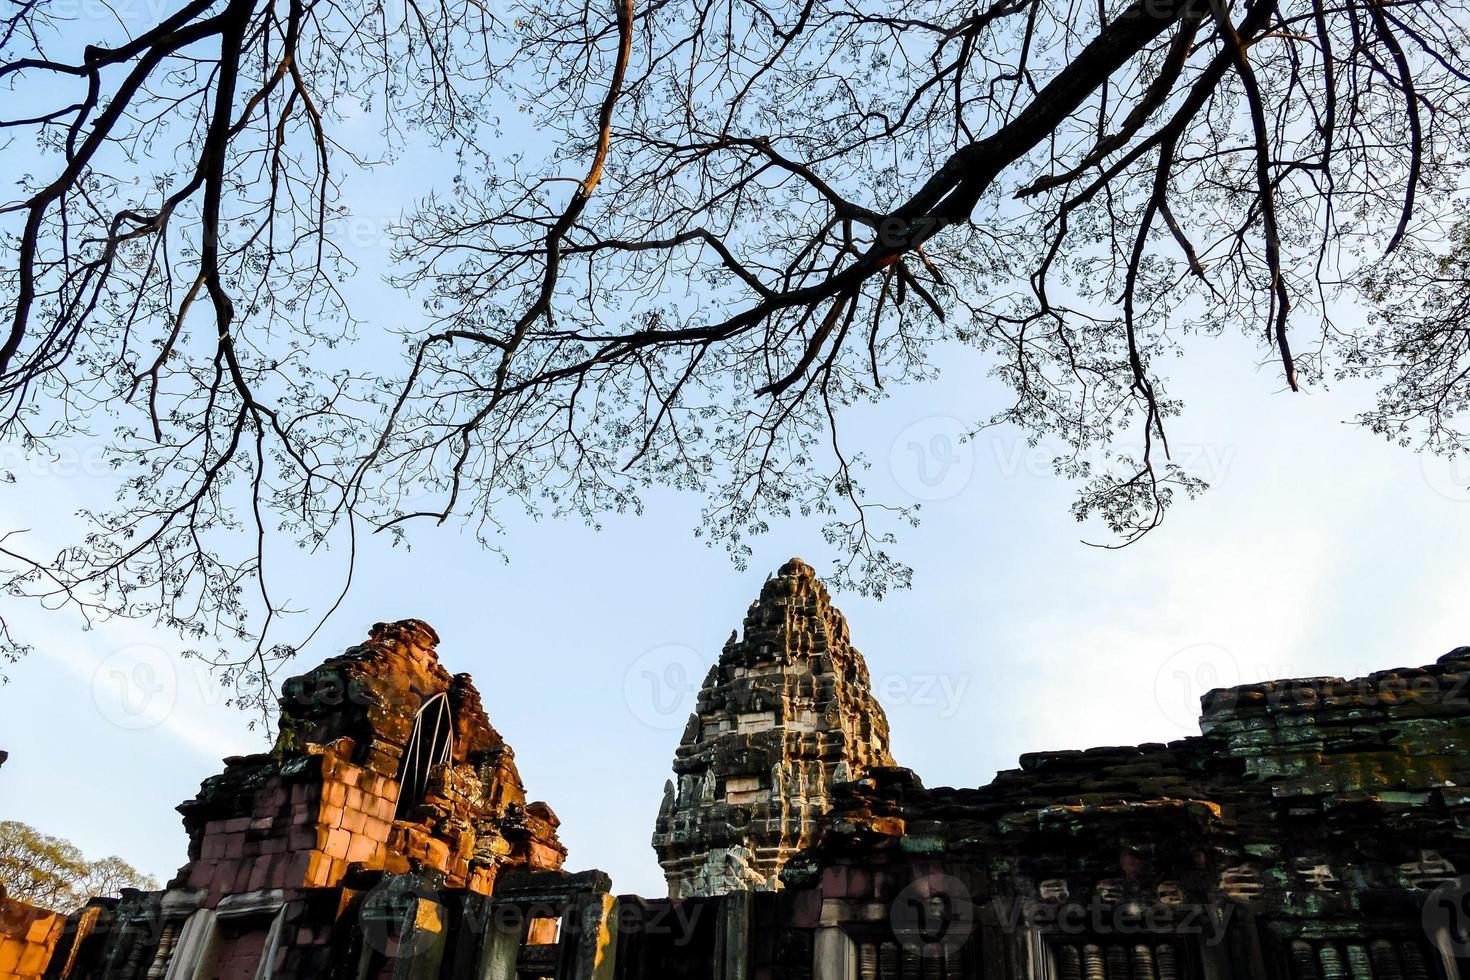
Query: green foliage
x=53, y=873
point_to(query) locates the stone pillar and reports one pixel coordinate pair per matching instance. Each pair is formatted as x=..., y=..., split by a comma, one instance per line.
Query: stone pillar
x=593, y=939
x=266, y=970
x=501, y=946
x=193, y=945
x=164, y=954
x=1034, y=955
x=735, y=915
x=834, y=956
x=1443, y=944
x=421, y=948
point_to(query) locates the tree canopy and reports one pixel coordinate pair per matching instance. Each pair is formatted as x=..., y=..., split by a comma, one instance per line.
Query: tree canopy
x=52, y=873
x=682, y=237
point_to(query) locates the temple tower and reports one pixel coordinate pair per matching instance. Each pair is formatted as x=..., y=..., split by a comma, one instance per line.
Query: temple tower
x=786, y=714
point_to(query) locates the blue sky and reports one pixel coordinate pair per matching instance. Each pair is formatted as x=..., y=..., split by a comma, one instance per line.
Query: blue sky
x=1320, y=550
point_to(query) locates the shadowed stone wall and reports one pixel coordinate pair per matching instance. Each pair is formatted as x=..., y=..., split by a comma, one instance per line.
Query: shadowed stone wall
x=1316, y=829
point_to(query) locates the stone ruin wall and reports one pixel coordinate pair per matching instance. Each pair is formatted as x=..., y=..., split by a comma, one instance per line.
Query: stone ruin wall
x=286, y=846
x=324, y=799
x=28, y=938
x=1300, y=836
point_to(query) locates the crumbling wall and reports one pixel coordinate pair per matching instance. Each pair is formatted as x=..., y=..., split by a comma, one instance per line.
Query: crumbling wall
x=289, y=850
x=1301, y=836
x=325, y=799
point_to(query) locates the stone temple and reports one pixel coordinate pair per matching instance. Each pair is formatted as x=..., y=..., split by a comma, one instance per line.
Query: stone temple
x=785, y=716
x=1315, y=829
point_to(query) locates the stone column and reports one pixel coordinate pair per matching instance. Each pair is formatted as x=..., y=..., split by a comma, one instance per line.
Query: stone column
x=421, y=948
x=188, y=931
x=500, y=948
x=735, y=918
x=1444, y=945
x=834, y=956
x=272, y=944
x=593, y=939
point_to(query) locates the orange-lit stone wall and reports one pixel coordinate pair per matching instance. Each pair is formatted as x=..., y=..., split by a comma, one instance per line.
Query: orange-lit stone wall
x=325, y=800
x=27, y=937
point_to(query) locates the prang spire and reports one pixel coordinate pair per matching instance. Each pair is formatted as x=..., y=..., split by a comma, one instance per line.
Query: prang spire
x=786, y=714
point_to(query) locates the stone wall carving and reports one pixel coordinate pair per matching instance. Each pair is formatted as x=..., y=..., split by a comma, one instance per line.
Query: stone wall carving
x=784, y=716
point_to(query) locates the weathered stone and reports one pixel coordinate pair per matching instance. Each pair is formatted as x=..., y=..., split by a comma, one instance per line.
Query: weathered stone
x=784, y=716
x=1304, y=834
x=344, y=729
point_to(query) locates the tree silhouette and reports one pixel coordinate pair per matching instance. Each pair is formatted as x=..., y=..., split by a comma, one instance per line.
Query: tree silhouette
x=714, y=225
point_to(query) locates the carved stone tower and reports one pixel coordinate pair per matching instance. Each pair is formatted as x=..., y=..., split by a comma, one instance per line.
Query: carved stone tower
x=785, y=715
